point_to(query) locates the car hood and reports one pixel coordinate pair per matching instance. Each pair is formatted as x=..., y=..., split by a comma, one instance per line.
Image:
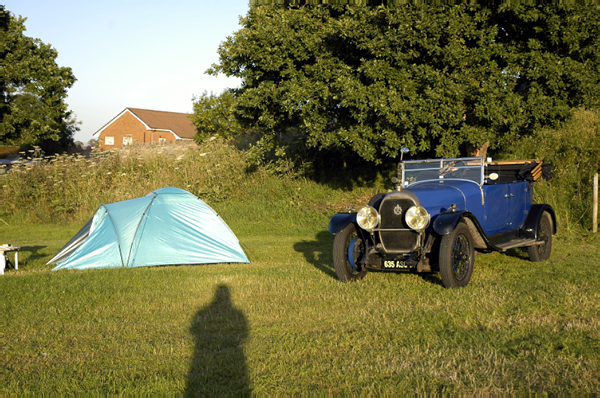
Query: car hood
x=437, y=196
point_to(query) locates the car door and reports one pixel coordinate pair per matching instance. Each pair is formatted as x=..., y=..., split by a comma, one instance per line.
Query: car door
x=519, y=202
x=496, y=209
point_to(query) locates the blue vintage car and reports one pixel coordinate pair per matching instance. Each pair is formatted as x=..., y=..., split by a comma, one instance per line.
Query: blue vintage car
x=441, y=212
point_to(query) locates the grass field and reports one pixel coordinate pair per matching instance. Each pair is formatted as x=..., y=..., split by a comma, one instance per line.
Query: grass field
x=284, y=324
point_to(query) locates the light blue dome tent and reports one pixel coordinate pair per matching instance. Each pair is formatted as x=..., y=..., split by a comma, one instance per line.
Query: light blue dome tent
x=169, y=226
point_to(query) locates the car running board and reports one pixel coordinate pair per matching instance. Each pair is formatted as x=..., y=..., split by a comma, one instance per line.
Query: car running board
x=511, y=244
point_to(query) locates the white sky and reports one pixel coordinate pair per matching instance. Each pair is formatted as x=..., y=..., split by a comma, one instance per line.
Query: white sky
x=149, y=54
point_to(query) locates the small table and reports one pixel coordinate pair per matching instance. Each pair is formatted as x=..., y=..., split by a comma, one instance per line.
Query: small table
x=4, y=257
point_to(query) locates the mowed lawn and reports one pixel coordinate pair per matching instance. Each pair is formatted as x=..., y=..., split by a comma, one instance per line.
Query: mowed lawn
x=285, y=324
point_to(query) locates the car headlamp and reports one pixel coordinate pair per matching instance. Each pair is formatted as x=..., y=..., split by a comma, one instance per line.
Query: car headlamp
x=417, y=218
x=367, y=218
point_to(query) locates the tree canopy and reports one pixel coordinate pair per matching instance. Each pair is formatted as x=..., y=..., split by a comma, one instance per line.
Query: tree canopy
x=213, y=115
x=34, y=88
x=362, y=82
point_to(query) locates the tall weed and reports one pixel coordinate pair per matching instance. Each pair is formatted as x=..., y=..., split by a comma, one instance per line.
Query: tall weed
x=69, y=188
x=574, y=152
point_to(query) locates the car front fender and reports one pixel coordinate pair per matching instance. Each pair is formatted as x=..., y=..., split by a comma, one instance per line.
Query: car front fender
x=446, y=222
x=340, y=221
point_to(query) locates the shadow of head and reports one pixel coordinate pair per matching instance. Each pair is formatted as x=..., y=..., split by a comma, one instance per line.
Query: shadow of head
x=222, y=295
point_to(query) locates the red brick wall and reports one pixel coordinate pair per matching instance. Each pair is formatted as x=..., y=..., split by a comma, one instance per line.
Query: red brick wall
x=129, y=126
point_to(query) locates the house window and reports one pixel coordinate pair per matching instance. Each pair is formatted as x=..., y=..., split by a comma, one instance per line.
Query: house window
x=109, y=140
x=162, y=141
x=127, y=141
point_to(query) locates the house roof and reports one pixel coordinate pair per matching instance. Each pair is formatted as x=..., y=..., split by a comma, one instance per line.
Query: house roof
x=175, y=122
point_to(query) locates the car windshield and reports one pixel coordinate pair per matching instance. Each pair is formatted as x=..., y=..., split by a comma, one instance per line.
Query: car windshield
x=436, y=169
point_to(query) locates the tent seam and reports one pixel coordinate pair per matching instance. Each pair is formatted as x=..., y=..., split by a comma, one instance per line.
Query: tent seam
x=138, y=227
x=116, y=234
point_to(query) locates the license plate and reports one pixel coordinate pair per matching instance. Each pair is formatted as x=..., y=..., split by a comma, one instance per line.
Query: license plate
x=394, y=264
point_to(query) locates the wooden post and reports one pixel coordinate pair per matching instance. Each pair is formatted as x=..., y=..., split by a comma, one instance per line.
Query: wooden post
x=595, y=205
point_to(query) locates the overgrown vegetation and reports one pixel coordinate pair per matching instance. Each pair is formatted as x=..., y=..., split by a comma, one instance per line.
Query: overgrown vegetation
x=574, y=152
x=69, y=188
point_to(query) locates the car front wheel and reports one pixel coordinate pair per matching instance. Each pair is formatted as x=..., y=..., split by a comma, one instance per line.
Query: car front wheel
x=541, y=251
x=348, y=248
x=457, y=256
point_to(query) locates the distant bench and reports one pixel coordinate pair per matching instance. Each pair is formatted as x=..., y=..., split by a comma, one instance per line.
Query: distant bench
x=4, y=261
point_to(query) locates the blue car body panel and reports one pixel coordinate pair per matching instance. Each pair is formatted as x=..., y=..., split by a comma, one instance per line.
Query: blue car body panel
x=506, y=207
x=498, y=208
x=437, y=196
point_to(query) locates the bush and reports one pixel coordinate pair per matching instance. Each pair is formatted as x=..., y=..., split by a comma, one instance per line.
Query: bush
x=574, y=152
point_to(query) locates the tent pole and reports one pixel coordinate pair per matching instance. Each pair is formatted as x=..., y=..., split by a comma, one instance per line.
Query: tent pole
x=138, y=227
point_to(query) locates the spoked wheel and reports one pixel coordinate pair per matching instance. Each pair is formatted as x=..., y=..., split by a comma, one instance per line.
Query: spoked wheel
x=457, y=256
x=348, y=248
x=541, y=251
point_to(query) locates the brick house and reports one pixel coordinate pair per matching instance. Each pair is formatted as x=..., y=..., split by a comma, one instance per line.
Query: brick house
x=142, y=126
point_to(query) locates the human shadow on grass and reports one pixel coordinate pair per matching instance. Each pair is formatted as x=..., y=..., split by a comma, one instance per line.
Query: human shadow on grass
x=218, y=366
x=319, y=252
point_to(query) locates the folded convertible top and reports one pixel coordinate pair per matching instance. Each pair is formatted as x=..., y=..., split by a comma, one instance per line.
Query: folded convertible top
x=519, y=170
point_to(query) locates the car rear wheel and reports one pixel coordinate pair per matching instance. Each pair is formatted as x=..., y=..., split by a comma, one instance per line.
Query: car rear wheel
x=541, y=251
x=457, y=256
x=348, y=248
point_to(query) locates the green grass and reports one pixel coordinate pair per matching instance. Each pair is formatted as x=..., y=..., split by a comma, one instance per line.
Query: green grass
x=284, y=324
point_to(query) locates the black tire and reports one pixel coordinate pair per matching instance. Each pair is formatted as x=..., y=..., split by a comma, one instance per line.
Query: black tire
x=344, y=269
x=457, y=256
x=542, y=251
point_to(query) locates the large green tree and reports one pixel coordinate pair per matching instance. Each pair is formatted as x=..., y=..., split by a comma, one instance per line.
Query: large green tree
x=361, y=82
x=34, y=88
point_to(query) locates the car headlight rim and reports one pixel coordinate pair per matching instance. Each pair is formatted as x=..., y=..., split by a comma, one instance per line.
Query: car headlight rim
x=367, y=218
x=417, y=218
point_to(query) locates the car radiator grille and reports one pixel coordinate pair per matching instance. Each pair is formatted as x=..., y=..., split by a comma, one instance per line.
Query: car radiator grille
x=403, y=239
